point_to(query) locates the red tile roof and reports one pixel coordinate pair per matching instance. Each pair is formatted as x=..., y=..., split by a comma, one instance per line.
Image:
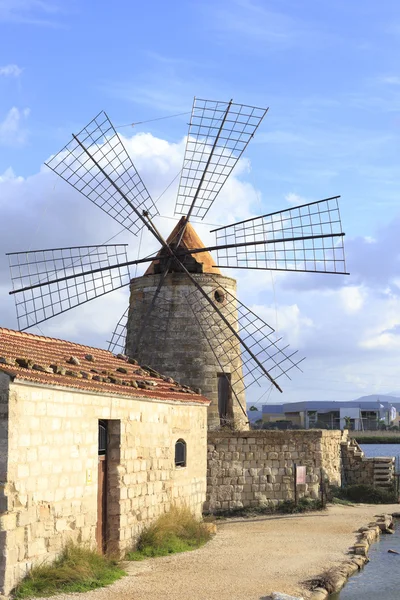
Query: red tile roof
x=189, y=241
x=50, y=361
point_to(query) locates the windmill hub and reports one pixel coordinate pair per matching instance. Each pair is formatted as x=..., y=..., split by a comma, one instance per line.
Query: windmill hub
x=184, y=317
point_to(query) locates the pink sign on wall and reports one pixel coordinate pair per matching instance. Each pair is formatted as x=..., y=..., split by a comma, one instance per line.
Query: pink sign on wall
x=300, y=475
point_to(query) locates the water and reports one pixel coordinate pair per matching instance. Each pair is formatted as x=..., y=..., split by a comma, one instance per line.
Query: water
x=381, y=449
x=380, y=578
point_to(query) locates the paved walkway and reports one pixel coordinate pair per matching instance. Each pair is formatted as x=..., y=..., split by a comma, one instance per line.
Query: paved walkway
x=247, y=559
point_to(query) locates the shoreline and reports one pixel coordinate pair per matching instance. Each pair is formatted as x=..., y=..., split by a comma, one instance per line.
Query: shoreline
x=248, y=559
x=367, y=536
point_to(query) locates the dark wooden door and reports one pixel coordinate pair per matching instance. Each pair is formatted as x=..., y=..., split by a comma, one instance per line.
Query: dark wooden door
x=101, y=504
x=225, y=408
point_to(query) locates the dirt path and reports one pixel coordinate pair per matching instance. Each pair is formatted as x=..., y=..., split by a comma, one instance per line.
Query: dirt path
x=247, y=559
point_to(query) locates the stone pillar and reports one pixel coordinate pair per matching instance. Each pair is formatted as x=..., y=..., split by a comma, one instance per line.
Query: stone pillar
x=175, y=344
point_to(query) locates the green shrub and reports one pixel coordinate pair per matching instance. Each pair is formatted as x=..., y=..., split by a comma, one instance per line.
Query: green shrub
x=367, y=494
x=78, y=569
x=175, y=531
x=285, y=507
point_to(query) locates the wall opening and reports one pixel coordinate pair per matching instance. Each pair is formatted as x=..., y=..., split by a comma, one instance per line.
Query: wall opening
x=114, y=483
x=225, y=407
x=102, y=487
x=180, y=453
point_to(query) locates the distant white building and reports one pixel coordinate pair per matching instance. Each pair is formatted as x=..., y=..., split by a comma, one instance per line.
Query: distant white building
x=360, y=414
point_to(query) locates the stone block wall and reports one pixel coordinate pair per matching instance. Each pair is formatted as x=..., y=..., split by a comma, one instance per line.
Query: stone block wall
x=256, y=468
x=177, y=343
x=52, y=465
x=358, y=469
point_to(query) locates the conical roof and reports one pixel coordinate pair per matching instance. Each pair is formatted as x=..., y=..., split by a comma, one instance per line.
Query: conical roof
x=190, y=240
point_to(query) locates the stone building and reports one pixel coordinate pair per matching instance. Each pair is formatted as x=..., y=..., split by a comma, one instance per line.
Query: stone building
x=92, y=448
x=184, y=337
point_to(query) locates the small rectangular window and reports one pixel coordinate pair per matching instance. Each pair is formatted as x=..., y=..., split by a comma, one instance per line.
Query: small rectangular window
x=180, y=453
x=225, y=408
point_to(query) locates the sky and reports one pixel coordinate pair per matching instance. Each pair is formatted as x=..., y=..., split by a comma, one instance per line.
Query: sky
x=330, y=75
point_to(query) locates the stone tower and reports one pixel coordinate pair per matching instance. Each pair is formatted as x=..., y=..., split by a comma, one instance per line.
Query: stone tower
x=194, y=350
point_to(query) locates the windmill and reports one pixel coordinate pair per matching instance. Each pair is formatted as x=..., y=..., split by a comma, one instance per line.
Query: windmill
x=184, y=317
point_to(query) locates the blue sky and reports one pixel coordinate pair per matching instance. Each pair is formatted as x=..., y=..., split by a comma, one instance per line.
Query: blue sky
x=329, y=73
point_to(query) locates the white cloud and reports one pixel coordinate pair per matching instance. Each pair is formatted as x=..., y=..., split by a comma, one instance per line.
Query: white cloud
x=352, y=298
x=295, y=199
x=30, y=12
x=390, y=79
x=12, y=130
x=346, y=327
x=10, y=71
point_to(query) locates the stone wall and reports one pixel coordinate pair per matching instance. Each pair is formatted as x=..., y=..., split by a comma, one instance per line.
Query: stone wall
x=51, y=486
x=358, y=469
x=178, y=335
x=256, y=468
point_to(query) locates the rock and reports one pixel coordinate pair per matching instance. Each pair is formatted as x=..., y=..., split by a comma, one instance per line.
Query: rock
x=144, y=385
x=71, y=373
x=42, y=369
x=89, y=357
x=86, y=375
x=73, y=360
x=25, y=363
x=319, y=594
x=280, y=596
x=6, y=361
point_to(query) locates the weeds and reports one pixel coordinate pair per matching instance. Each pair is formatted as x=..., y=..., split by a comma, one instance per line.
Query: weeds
x=341, y=501
x=78, y=569
x=286, y=507
x=175, y=531
x=327, y=581
x=367, y=494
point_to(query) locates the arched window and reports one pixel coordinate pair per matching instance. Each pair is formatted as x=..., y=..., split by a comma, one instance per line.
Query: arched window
x=180, y=453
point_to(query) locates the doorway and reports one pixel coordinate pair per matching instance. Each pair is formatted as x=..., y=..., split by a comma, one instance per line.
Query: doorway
x=225, y=408
x=102, y=488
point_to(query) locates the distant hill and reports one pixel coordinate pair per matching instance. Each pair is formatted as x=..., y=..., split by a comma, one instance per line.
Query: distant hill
x=376, y=397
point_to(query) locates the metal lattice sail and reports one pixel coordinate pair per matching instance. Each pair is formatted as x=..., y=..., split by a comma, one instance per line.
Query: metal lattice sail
x=306, y=238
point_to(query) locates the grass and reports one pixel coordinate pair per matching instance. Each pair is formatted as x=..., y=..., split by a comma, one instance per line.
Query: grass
x=341, y=501
x=286, y=507
x=78, y=569
x=379, y=439
x=366, y=494
x=175, y=531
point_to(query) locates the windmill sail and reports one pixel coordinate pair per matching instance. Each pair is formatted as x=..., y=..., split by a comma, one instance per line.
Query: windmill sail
x=259, y=349
x=118, y=338
x=49, y=282
x=96, y=164
x=303, y=238
x=218, y=135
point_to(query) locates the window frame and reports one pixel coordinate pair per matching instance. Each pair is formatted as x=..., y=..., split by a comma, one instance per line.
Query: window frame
x=181, y=464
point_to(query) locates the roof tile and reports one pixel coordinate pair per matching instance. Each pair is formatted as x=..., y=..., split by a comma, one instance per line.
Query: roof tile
x=51, y=361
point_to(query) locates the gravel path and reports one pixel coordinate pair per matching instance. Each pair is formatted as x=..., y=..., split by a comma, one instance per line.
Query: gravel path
x=247, y=559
